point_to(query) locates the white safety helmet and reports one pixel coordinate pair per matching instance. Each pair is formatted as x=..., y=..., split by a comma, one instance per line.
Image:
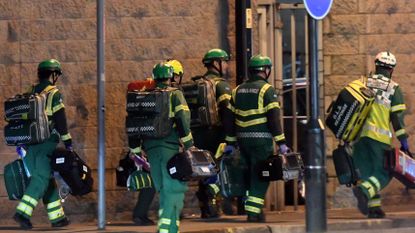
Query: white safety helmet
x=386, y=59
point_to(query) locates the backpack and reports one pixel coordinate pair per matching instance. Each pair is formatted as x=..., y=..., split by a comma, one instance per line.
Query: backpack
x=149, y=113
x=201, y=98
x=346, y=115
x=27, y=118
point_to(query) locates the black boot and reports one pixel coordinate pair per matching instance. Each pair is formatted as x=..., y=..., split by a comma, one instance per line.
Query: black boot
x=362, y=200
x=256, y=217
x=61, y=223
x=143, y=221
x=23, y=221
x=376, y=212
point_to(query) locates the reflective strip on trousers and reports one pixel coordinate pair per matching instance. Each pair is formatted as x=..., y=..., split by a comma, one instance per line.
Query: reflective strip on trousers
x=376, y=182
x=254, y=135
x=56, y=214
x=215, y=188
x=30, y=200
x=25, y=208
x=374, y=203
x=256, y=200
x=369, y=187
x=252, y=209
x=53, y=204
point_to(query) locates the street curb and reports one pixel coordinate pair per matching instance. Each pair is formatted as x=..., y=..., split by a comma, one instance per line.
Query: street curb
x=340, y=226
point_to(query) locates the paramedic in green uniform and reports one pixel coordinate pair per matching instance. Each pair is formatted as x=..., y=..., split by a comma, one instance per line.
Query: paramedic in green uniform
x=42, y=185
x=159, y=151
x=376, y=136
x=209, y=138
x=253, y=120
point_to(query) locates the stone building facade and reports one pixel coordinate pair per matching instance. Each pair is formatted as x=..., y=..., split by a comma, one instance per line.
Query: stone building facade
x=141, y=33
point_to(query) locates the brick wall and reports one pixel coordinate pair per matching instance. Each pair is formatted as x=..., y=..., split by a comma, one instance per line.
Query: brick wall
x=353, y=33
x=139, y=33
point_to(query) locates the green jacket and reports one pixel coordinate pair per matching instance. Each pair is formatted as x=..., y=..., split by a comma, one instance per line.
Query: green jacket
x=55, y=110
x=388, y=108
x=254, y=114
x=180, y=113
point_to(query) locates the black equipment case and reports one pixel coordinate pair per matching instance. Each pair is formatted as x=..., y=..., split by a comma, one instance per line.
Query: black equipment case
x=192, y=164
x=282, y=167
x=346, y=172
x=73, y=170
x=125, y=167
x=347, y=114
x=15, y=179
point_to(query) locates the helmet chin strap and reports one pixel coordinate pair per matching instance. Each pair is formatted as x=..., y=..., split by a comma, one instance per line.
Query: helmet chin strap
x=220, y=67
x=55, y=77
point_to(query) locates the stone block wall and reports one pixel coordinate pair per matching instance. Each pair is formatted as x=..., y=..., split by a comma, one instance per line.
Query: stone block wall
x=353, y=33
x=139, y=33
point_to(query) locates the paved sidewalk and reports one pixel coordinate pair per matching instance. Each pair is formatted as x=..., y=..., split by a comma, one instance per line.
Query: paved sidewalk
x=399, y=219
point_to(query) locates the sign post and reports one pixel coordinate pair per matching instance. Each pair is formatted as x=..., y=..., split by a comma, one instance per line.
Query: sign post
x=315, y=161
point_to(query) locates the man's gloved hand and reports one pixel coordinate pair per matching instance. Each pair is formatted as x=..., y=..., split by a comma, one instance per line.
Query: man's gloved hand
x=283, y=149
x=229, y=149
x=68, y=145
x=405, y=147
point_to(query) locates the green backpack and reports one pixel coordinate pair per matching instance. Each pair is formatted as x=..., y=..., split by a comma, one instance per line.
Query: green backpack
x=15, y=179
x=139, y=180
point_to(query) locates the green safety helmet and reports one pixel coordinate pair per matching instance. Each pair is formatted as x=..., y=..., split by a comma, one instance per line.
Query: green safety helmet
x=162, y=71
x=177, y=67
x=215, y=55
x=51, y=65
x=259, y=62
x=385, y=59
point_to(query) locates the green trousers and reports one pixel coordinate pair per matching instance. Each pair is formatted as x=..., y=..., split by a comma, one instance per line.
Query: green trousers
x=41, y=184
x=252, y=156
x=171, y=190
x=369, y=156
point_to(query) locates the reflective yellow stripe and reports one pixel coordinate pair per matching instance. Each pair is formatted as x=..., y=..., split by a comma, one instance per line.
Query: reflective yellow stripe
x=230, y=107
x=66, y=137
x=256, y=200
x=279, y=137
x=261, y=95
x=181, y=107
x=272, y=105
x=171, y=113
x=149, y=181
x=163, y=231
x=25, y=208
x=177, y=223
x=57, y=107
x=49, y=110
x=215, y=188
x=56, y=214
x=252, y=209
x=374, y=203
x=187, y=138
x=230, y=139
x=399, y=107
x=166, y=221
x=136, y=150
x=369, y=188
x=223, y=97
x=251, y=122
x=376, y=182
x=250, y=112
x=400, y=132
x=29, y=199
x=53, y=204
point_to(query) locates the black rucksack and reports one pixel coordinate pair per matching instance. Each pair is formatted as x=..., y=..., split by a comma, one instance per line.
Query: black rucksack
x=201, y=98
x=73, y=170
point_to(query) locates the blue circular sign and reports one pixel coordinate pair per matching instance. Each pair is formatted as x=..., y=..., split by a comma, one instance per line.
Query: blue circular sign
x=318, y=9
